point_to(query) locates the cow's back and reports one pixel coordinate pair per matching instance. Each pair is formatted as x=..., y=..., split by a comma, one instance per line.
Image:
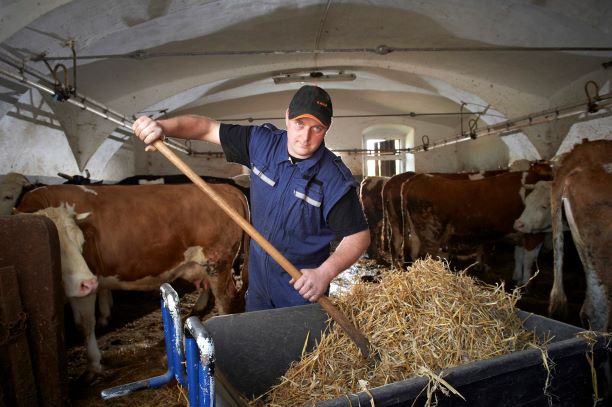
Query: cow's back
x=589, y=155
x=468, y=203
x=440, y=208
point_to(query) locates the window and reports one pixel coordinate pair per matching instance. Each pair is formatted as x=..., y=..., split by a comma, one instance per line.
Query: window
x=384, y=144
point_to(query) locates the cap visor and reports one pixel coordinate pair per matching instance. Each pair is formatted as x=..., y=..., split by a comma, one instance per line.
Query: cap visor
x=308, y=116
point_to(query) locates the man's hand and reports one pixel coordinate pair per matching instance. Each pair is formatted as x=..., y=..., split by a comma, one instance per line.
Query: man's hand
x=313, y=283
x=148, y=130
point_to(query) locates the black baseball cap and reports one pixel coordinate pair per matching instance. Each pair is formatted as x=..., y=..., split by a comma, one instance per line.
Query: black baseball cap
x=313, y=102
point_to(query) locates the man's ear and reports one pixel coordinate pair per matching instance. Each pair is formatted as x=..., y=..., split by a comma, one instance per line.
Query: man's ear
x=287, y=118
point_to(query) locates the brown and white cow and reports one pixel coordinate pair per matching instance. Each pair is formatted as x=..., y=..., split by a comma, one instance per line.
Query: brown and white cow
x=79, y=283
x=393, y=219
x=535, y=222
x=446, y=212
x=396, y=225
x=138, y=237
x=536, y=215
x=370, y=194
x=582, y=189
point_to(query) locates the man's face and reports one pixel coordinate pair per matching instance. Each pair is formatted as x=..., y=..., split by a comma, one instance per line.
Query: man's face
x=304, y=136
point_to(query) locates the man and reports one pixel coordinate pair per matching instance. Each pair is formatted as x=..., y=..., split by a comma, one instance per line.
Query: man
x=302, y=196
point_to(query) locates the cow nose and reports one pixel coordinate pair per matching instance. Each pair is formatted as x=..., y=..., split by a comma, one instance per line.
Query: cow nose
x=89, y=286
x=518, y=225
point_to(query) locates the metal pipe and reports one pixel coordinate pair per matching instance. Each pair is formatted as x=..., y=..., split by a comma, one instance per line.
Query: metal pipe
x=49, y=84
x=512, y=125
x=354, y=116
x=169, y=307
x=191, y=351
x=380, y=50
x=171, y=301
x=106, y=113
x=206, y=348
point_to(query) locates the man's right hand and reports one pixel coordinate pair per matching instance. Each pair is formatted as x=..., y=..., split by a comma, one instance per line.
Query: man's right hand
x=148, y=130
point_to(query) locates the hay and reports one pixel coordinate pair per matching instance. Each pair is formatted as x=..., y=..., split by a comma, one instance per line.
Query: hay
x=591, y=338
x=421, y=321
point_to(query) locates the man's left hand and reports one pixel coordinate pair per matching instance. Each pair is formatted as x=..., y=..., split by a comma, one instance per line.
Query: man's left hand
x=312, y=285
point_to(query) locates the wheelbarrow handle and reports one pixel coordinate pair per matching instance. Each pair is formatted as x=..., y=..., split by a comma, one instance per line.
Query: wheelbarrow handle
x=356, y=336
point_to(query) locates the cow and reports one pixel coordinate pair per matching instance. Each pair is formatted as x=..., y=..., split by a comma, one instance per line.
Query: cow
x=370, y=195
x=392, y=216
x=11, y=187
x=394, y=222
x=536, y=215
x=138, y=237
x=79, y=283
x=534, y=221
x=444, y=212
x=582, y=190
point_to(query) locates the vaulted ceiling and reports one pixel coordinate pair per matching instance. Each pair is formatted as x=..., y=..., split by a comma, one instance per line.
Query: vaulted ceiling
x=506, y=58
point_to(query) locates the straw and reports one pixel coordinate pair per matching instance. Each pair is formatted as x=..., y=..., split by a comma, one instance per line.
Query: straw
x=422, y=321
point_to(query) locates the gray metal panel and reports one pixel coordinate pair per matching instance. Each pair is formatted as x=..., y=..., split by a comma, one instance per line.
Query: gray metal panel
x=254, y=349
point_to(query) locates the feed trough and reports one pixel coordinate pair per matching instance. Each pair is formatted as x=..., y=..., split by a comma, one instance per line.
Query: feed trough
x=253, y=350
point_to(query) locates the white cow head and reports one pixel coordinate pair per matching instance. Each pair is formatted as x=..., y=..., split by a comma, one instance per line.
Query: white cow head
x=11, y=186
x=78, y=279
x=536, y=216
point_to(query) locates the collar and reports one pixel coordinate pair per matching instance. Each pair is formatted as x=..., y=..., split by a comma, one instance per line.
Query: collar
x=306, y=166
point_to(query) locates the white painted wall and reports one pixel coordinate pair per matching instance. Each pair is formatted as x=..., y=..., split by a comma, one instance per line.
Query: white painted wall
x=32, y=141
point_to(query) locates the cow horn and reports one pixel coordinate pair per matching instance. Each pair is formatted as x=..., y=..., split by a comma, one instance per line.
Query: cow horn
x=82, y=216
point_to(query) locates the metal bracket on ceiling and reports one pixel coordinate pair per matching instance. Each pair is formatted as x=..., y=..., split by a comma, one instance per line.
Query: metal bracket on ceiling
x=425, y=140
x=591, y=103
x=461, y=116
x=139, y=54
x=63, y=90
x=473, y=125
x=383, y=50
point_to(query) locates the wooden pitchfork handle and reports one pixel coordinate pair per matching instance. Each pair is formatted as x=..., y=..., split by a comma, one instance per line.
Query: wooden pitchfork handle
x=356, y=336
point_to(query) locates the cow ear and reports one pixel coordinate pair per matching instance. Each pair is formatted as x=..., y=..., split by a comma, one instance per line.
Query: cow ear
x=82, y=216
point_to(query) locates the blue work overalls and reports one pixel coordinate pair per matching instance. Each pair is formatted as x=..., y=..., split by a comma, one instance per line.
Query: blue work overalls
x=289, y=207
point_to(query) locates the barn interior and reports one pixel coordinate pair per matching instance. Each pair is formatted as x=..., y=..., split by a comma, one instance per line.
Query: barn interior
x=396, y=71
x=443, y=86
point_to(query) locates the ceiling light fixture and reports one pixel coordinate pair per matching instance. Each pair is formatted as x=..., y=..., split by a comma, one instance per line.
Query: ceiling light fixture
x=314, y=76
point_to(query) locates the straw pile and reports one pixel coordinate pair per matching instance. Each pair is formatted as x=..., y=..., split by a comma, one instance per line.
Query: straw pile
x=421, y=321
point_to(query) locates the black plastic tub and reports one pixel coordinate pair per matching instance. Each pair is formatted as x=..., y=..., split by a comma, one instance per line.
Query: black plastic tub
x=254, y=349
